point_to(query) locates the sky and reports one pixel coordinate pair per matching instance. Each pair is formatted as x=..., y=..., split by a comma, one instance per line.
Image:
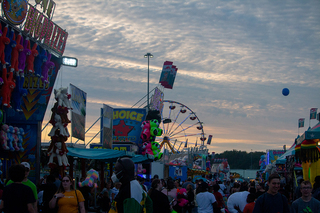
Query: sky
x=233, y=58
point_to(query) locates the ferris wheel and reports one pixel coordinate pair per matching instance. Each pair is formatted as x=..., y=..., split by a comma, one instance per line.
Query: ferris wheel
x=181, y=127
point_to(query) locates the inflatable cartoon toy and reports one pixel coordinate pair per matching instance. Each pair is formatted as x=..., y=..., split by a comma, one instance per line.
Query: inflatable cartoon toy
x=7, y=87
x=3, y=42
x=4, y=137
x=18, y=93
x=92, y=175
x=8, y=48
x=15, y=54
x=23, y=56
x=31, y=57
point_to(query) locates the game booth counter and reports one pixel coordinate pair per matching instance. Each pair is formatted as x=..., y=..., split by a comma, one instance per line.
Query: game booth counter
x=31, y=49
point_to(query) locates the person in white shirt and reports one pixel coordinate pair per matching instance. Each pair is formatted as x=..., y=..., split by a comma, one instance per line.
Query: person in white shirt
x=206, y=201
x=238, y=199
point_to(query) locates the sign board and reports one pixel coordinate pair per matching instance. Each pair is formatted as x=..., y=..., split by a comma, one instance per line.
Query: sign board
x=78, y=114
x=127, y=124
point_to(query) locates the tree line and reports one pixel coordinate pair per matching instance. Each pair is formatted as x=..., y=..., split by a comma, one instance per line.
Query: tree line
x=241, y=159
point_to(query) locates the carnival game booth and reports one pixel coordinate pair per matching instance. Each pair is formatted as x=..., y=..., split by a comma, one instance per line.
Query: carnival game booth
x=220, y=168
x=104, y=158
x=177, y=166
x=31, y=49
x=308, y=153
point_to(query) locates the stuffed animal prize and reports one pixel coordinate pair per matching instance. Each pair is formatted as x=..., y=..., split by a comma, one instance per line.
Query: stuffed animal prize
x=92, y=175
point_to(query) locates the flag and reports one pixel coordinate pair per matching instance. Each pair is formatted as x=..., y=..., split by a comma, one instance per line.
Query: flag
x=165, y=74
x=168, y=74
x=313, y=113
x=186, y=144
x=301, y=122
x=196, y=142
x=209, y=140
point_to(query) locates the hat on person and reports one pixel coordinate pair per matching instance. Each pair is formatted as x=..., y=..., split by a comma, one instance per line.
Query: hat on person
x=26, y=164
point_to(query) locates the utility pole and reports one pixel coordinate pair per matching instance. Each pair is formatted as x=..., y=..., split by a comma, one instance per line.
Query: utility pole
x=251, y=158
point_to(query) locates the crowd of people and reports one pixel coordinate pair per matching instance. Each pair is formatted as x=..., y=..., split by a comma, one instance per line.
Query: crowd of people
x=125, y=192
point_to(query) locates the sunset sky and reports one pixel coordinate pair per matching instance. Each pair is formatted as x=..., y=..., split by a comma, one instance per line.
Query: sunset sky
x=234, y=59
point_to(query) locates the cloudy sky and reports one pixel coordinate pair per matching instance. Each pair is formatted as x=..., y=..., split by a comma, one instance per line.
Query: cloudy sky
x=234, y=59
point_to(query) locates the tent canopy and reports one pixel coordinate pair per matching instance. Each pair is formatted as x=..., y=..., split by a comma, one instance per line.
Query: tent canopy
x=142, y=158
x=311, y=134
x=106, y=155
x=282, y=159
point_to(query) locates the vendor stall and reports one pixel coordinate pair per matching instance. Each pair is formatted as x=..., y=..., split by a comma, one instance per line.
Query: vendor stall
x=308, y=153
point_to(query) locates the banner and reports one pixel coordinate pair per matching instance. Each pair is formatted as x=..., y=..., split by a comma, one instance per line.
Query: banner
x=301, y=122
x=164, y=77
x=78, y=113
x=209, y=140
x=106, y=126
x=272, y=155
x=156, y=102
x=313, y=113
x=172, y=77
x=127, y=124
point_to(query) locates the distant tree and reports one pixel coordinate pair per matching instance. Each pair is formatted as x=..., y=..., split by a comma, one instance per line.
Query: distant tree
x=241, y=159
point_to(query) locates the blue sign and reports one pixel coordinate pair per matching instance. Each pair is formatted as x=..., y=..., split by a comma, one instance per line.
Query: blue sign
x=127, y=124
x=178, y=172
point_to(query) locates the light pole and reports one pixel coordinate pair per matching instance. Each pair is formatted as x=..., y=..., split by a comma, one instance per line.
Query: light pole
x=251, y=158
x=148, y=55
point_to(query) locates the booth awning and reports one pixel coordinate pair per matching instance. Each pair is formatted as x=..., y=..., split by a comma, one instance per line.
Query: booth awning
x=283, y=158
x=311, y=134
x=142, y=158
x=106, y=155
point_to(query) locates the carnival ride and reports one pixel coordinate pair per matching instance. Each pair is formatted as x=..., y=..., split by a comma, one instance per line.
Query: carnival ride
x=181, y=126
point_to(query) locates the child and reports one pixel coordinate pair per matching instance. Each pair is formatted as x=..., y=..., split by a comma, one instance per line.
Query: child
x=105, y=202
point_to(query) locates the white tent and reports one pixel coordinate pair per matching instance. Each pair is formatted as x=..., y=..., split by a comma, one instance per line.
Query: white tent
x=282, y=159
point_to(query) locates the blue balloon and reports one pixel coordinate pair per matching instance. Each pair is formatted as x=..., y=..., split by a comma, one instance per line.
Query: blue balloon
x=285, y=91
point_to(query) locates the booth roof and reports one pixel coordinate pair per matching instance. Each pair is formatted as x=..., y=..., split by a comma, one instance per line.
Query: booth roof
x=106, y=155
x=282, y=159
x=311, y=134
x=142, y=158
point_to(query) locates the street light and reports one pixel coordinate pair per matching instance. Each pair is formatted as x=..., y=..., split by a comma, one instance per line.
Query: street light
x=69, y=61
x=148, y=55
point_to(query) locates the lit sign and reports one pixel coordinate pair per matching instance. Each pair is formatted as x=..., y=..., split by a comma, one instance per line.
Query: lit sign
x=156, y=102
x=36, y=24
x=68, y=61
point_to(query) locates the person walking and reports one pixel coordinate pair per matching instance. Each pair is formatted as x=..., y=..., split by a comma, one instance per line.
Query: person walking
x=67, y=198
x=260, y=190
x=29, y=183
x=115, y=191
x=160, y=201
x=306, y=202
x=272, y=201
x=218, y=196
x=105, y=202
x=49, y=189
x=190, y=197
x=17, y=197
x=206, y=201
x=131, y=197
x=171, y=193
